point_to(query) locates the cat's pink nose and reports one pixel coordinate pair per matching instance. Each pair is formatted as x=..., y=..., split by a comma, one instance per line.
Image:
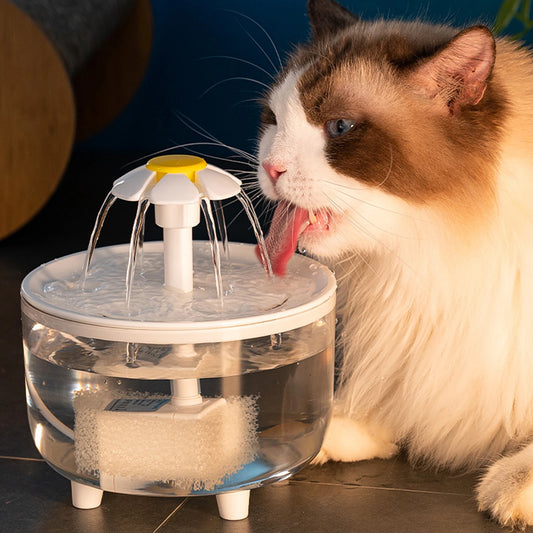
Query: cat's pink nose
x=273, y=170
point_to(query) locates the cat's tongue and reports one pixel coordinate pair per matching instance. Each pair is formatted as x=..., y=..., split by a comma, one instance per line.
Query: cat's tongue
x=287, y=225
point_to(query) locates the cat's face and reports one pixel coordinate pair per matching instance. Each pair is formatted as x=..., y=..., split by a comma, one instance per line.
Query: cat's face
x=297, y=149
x=373, y=124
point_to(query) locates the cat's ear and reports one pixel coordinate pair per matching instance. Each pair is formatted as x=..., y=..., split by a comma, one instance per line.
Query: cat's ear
x=456, y=75
x=327, y=18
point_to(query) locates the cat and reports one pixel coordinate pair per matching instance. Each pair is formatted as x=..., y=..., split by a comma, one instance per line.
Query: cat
x=401, y=154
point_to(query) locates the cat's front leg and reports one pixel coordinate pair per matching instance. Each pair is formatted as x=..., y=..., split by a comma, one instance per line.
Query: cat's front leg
x=348, y=440
x=506, y=490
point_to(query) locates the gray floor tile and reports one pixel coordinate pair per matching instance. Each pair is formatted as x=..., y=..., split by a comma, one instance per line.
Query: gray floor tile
x=395, y=473
x=336, y=508
x=35, y=499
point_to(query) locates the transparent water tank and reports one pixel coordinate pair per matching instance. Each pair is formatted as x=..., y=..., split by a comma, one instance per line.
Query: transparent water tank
x=178, y=395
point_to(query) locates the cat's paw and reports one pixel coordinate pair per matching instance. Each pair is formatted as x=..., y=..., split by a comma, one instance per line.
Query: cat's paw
x=348, y=441
x=506, y=490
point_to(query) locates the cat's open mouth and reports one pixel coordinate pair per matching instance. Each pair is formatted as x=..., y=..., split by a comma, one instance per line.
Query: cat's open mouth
x=288, y=224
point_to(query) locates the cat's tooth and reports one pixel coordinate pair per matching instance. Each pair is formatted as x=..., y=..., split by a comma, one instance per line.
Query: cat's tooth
x=312, y=218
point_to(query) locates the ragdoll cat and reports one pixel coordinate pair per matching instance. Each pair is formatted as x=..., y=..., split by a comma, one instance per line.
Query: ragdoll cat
x=402, y=154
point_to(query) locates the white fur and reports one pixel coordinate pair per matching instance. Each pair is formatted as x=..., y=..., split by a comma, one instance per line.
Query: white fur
x=437, y=324
x=507, y=489
x=292, y=144
x=348, y=440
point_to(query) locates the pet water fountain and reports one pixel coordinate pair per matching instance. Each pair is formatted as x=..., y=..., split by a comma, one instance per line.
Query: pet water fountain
x=181, y=367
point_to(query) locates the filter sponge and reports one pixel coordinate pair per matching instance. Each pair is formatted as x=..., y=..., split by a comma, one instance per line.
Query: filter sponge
x=160, y=443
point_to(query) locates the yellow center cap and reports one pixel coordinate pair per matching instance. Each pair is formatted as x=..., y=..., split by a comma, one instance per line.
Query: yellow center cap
x=176, y=164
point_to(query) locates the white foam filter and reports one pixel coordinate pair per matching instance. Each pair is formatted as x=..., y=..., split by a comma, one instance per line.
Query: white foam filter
x=195, y=453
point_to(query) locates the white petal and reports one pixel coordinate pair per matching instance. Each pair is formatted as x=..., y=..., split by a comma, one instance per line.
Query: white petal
x=174, y=189
x=133, y=185
x=217, y=184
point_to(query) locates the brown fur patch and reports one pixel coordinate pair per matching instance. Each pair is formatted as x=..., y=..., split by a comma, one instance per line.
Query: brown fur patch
x=401, y=144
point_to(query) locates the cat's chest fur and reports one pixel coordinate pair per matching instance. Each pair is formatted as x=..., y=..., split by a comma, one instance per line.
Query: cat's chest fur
x=423, y=210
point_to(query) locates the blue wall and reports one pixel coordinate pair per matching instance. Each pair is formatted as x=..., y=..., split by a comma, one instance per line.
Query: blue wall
x=184, y=77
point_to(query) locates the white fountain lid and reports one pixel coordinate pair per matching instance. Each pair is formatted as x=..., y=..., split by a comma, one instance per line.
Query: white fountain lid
x=294, y=310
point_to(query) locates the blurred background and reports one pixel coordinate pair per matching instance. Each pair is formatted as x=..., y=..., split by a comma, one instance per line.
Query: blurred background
x=93, y=88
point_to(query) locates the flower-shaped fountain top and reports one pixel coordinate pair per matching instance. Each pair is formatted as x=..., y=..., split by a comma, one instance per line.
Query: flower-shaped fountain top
x=162, y=181
x=176, y=184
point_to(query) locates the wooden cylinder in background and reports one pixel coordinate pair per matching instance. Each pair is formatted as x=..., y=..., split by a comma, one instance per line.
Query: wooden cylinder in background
x=107, y=82
x=37, y=118
x=58, y=82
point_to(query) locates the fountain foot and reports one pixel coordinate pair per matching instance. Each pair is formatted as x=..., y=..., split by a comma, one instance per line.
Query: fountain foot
x=85, y=497
x=233, y=505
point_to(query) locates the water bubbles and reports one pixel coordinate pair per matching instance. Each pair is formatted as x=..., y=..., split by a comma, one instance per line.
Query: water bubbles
x=58, y=285
x=228, y=291
x=90, y=285
x=248, y=291
x=314, y=269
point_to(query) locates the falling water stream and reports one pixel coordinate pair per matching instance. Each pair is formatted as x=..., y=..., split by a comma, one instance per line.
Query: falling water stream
x=135, y=240
x=214, y=221
x=215, y=249
x=222, y=229
x=100, y=218
x=258, y=232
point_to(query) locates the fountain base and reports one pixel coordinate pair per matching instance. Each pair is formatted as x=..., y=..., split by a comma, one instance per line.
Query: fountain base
x=116, y=397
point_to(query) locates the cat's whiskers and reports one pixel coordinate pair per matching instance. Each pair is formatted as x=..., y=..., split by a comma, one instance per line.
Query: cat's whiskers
x=258, y=100
x=347, y=190
x=381, y=208
x=189, y=148
x=380, y=184
x=234, y=78
x=202, y=132
x=245, y=61
x=366, y=231
x=253, y=190
x=260, y=214
x=239, y=156
x=342, y=209
x=267, y=35
x=354, y=257
x=263, y=208
x=369, y=221
x=250, y=178
x=272, y=76
x=243, y=175
x=250, y=175
x=354, y=260
x=253, y=193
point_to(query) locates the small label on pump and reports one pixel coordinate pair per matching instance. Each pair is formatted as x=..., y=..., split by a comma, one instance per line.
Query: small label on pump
x=136, y=405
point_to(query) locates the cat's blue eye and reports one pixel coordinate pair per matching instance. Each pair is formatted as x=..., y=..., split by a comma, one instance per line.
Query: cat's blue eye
x=339, y=126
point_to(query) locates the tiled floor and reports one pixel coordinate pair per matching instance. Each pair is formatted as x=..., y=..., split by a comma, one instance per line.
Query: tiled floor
x=373, y=496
